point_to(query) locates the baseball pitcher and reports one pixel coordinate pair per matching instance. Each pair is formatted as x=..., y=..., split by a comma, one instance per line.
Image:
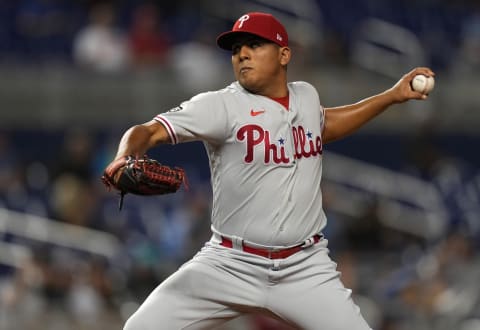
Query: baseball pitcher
x=264, y=137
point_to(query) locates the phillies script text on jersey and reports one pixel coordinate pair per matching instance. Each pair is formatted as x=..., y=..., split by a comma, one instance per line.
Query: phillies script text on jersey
x=305, y=144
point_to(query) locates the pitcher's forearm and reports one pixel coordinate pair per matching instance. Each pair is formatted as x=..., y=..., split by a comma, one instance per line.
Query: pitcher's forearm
x=345, y=120
x=138, y=139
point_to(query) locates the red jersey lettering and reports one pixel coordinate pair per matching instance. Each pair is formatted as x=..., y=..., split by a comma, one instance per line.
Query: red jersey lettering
x=304, y=144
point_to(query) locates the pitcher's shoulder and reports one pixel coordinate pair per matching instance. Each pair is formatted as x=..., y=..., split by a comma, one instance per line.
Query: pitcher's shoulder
x=303, y=88
x=215, y=94
x=233, y=88
x=302, y=85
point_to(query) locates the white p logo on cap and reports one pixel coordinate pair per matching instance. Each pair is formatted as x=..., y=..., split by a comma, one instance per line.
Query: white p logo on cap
x=243, y=19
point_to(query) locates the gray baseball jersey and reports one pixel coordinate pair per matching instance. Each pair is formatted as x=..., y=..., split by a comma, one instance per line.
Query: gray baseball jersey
x=265, y=160
x=266, y=166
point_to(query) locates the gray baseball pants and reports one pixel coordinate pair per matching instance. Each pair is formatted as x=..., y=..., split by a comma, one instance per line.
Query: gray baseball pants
x=219, y=284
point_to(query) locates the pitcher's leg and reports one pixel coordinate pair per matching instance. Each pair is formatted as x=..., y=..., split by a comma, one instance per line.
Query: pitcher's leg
x=328, y=307
x=212, y=288
x=310, y=295
x=177, y=304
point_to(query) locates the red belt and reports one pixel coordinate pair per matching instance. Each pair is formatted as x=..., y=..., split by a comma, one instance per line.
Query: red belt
x=274, y=253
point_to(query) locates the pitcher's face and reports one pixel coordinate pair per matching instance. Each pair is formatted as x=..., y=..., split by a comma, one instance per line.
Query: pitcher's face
x=258, y=64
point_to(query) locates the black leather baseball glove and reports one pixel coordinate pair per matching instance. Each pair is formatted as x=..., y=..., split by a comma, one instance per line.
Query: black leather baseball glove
x=142, y=176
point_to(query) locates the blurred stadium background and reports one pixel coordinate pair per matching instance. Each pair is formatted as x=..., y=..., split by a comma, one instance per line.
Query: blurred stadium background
x=402, y=195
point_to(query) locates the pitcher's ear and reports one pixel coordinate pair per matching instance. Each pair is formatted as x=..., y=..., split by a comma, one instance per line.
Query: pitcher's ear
x=285, y=55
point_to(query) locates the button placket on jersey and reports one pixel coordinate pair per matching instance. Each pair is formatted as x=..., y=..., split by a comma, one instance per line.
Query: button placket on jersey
x=291, y=114
x=286, y=134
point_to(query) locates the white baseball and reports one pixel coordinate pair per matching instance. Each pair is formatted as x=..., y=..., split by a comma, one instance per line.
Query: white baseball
x=423, y=84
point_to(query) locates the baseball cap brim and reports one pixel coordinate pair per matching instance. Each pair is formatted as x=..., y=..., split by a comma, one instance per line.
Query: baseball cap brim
x=226, y=40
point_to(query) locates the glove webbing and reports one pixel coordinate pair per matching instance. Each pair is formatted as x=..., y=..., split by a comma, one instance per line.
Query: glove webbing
x=155, y=173
x=162, y=174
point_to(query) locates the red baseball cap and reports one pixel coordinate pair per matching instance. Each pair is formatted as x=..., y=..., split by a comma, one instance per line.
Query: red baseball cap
x=256, y=23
